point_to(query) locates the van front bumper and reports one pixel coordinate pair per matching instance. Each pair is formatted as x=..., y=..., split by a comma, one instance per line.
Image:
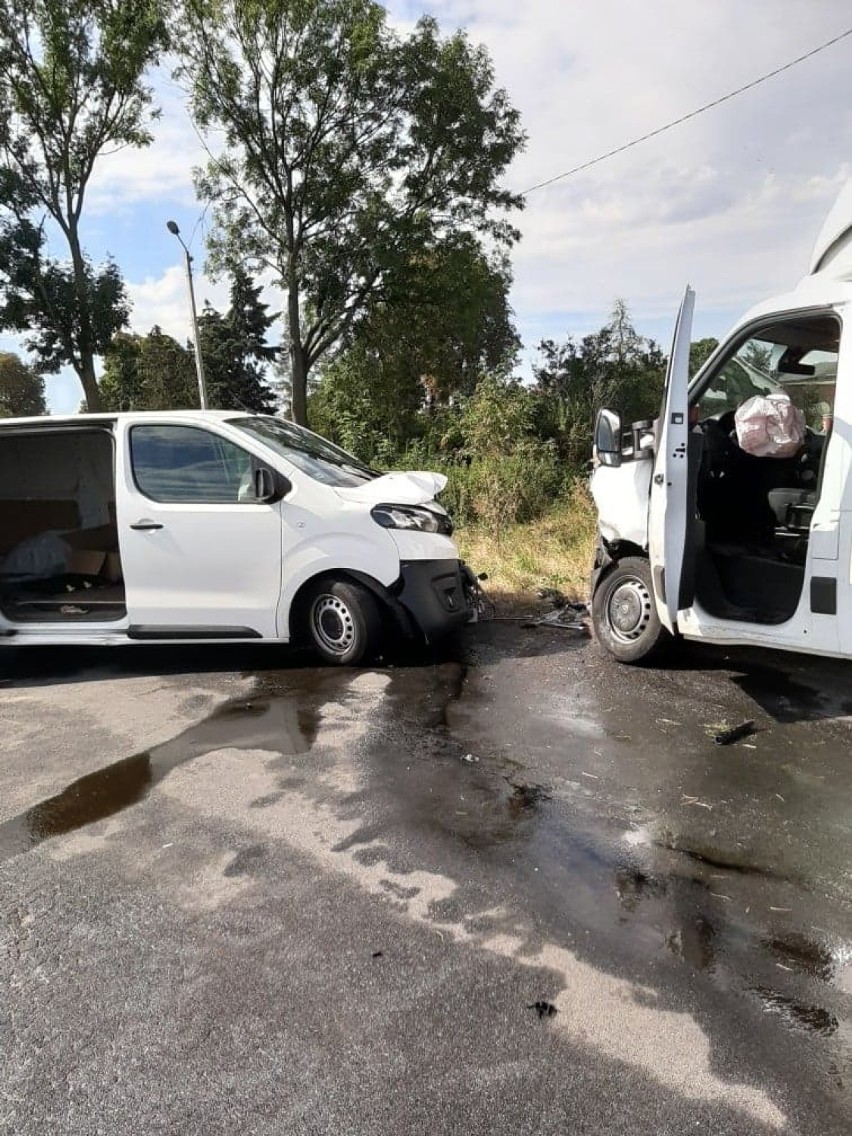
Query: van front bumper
x=434, y=596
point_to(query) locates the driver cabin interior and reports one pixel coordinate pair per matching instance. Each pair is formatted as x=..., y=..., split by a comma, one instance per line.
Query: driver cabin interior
x=753, y=511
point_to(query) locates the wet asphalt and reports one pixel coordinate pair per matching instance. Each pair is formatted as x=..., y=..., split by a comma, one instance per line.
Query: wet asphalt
x=513, y=889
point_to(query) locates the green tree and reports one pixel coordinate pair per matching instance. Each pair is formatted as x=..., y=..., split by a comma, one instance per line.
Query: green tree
x=148, y=372
x=700, y=351
x=235, y=350
x=21, y=388
x=348, y=149
x=71, y=89
x=613, y=367
x=418, y=349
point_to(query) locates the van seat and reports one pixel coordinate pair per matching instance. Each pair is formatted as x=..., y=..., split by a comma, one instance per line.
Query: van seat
x=781, y=499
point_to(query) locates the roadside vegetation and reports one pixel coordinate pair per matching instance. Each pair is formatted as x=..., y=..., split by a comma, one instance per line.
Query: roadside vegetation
x=552, y=552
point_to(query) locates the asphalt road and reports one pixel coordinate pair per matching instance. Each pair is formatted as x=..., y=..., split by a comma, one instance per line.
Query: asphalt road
x=515, y=890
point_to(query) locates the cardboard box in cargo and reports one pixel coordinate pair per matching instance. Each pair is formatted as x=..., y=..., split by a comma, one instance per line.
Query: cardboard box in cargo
x=112, y=568
x=86, y=562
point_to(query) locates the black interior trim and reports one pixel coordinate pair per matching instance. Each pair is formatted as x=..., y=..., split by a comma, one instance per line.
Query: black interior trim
x=824, y=595
x=153, y=631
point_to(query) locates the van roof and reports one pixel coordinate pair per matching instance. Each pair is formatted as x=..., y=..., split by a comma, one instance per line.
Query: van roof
x=147, y=415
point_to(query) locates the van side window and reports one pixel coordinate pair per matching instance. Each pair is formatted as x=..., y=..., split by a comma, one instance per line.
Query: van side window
x=188, y=464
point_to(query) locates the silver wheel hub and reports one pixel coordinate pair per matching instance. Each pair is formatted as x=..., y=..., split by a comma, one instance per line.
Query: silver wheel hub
x=332, y=624
x=629, y=609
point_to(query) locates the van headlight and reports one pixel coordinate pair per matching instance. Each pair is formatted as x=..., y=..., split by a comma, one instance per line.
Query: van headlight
x=417, y=517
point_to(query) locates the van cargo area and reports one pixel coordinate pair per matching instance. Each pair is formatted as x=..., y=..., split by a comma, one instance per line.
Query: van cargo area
x=59, y=557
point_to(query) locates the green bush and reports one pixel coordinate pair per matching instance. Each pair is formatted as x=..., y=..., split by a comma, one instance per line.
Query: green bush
x=499, y=471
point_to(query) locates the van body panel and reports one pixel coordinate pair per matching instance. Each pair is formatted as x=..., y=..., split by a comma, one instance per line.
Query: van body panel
x=832, y=252
x=621, y=495
x=340, y=552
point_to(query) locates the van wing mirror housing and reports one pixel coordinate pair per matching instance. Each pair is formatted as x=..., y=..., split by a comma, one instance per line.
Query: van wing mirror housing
x=608, y=437
x=269, y=485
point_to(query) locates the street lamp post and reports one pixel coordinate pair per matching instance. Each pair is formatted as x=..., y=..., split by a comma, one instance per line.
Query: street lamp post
x=199, y=362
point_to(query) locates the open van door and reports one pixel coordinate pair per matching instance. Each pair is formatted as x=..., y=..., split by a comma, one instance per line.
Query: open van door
x=668, y=512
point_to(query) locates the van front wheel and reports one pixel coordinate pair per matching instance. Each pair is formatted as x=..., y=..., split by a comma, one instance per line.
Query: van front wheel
x=343, y=622
x=624, y=613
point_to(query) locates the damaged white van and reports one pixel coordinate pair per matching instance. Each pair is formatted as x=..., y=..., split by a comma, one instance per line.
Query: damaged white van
x=730, y=518
x=216, y=526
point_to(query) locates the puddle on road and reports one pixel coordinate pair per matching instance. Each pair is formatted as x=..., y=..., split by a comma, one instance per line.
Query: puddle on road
x=281, y=716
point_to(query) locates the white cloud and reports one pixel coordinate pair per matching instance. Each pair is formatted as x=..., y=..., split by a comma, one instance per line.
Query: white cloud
x=731, y=200
x=164, y=301
x=161, y=172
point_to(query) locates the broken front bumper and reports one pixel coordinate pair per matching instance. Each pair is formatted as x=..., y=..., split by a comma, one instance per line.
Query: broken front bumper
x=435, y=596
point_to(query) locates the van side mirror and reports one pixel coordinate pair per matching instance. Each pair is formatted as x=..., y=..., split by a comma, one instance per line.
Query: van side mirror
x=269, y=485
x=608, y=437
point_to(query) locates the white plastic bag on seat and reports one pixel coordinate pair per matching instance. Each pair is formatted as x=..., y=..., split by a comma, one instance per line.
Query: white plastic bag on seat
x=770, y=426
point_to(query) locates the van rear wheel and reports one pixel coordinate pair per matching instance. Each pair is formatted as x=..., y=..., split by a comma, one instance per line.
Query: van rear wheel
x=624, y=614
x=343, y=623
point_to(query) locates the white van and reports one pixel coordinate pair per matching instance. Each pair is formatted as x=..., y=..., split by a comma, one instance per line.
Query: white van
x=699, y=538
x=216, y=526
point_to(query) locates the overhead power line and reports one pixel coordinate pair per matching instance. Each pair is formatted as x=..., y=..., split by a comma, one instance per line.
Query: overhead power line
x=692, y=114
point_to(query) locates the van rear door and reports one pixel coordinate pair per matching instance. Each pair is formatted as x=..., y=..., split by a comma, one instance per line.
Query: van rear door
x=668, y=512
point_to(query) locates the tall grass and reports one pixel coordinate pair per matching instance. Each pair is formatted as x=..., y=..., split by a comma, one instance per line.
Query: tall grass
x=553, y=551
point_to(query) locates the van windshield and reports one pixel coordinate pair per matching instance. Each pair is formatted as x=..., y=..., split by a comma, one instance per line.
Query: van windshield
x=319, y=459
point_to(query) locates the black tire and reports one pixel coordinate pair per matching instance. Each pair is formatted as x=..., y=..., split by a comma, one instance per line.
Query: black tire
x=624, y=614
x=341, y=622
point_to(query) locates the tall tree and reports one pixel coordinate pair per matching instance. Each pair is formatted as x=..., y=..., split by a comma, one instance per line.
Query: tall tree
x=613, y=367
x=418, y=349
x=347, y=150
x=700, y=351
x=21, y=388
x=71, y=88
x=148, y=372
x=235, y=350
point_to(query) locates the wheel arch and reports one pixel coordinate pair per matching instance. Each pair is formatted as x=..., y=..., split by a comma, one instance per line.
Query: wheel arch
x=608, y=554
x=384, y=595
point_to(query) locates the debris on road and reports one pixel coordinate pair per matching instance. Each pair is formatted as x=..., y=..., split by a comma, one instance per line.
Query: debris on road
x=527, y=796
x=470, y=758
x=568, y=618
x=553, y=596
x=735, y=733
x=543, y=1009
x=688, y=800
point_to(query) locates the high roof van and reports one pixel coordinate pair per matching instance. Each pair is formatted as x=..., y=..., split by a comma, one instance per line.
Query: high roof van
x=729, y=519
x=216, y=526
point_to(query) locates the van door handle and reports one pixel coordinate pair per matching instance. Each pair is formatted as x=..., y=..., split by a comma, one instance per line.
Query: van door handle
x=146, y=526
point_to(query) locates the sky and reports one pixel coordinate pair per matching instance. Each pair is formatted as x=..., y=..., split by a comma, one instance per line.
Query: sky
x=730, y=202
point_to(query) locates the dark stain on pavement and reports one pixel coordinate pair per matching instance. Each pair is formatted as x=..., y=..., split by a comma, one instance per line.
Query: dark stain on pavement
x=800, y=953
x=712, y=858
x=799, y=1015
x=286, y=723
